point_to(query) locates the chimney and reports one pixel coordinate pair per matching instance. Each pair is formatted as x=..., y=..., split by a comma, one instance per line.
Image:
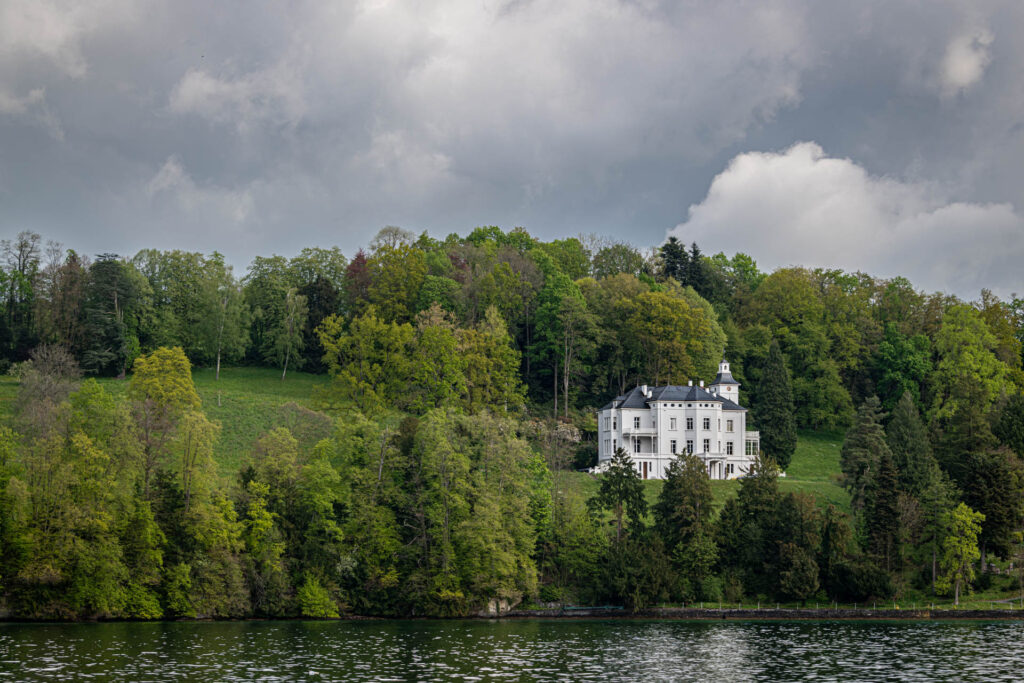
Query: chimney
x=702, y=384
x=689, y=383
x=643, y=390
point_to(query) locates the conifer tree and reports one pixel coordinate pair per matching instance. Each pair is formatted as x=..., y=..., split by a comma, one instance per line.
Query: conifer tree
x=862, y=452
x=775, y=414
x=911, y=450
x=883, y=519
x=621, y=492
x=684, y=504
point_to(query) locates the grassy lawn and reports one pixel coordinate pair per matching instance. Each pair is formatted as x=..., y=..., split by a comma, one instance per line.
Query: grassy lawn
x=814, y=470
x=246, y=401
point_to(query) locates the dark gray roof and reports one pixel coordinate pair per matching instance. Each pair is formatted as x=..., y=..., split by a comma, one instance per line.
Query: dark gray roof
x=636, y=399
x=724, y=378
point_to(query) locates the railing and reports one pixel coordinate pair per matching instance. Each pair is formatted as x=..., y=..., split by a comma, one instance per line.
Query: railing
x=640, y=431
x=752, y=435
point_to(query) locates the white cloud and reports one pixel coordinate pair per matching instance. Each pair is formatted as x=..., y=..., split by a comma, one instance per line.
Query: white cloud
x=273, y=95
x=967, y=57
x=206, y=206
x=801, y=207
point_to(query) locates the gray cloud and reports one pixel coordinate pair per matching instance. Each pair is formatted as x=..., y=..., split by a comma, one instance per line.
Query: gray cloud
x=254, y=128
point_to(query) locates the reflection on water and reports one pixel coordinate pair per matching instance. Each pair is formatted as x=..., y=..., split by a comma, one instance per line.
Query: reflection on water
x=514, y=650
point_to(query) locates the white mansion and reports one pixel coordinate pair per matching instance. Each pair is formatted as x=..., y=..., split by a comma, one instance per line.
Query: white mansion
x=655, y=424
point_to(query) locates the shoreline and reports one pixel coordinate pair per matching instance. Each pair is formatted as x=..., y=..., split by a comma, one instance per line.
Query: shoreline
x=769, y=614
x=604, y=613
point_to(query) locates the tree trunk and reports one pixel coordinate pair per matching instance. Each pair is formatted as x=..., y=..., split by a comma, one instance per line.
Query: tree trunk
x=556, y=388
x=934, y=567
x=285, y=370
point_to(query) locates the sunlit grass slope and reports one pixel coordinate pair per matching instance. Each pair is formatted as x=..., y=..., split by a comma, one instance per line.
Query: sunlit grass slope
x=246, y=401
x=814, y=470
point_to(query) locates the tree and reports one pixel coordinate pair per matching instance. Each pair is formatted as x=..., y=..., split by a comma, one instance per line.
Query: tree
x=161, y=390
x=369, y=362
x=960, y=551
x=684, y=503
x=883, y=516
x=115, y=300
x=775, y=413
x=622, y=493
x=863, y=449
x=904, y=364
x=966, y=350
x=910, y=446
x=1009, y=428
x=223, y=326
x=617, y=258
x=288, y=338
x=669, y=334
x=675, y=262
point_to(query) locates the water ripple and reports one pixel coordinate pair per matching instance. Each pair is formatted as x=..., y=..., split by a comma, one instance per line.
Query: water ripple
x=538, y=650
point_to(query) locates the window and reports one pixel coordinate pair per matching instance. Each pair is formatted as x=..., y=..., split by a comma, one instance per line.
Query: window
x=689, y=423
x=615, y=423
x=728, y=449
x=636, y=423
x=607, y=445
x=728, y=425
x=707, y=445
x=689, y=446
x=728, y=468
x=751, y=448
x=615, y=445
x=719, y=424
x=636, y=445
x=672, y=445
x=672, y=423
x=719, y=446
x=707, y=423
x=607, y=423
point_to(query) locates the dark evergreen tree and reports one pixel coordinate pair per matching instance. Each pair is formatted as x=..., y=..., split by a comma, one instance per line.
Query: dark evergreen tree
x=621, y=493
x=1009, y=428
x=995, y=489
x=696, y=273
x=675, y=261
x=911, y=450
x=967, y=432
x=684, y=504
x=775, y=415
x=112, y=297
x=883, y=517
x=862, y=452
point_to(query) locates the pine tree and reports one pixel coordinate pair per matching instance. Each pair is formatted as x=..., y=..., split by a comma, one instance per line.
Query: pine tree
x=675, y=261
x=883, y=518
x=776, y=415
x=622, y=492
x=684, y=504
x=1009, y=429
x=862, y=452
x=911, y=450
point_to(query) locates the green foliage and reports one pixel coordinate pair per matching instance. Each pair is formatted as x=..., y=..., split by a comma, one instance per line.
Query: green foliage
x=622, y=494
x=863, y=450
x=775, y=414
x=314, y=601
x=960, y=551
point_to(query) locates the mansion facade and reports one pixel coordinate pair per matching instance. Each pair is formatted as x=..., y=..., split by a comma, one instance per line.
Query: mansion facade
x=657, y=424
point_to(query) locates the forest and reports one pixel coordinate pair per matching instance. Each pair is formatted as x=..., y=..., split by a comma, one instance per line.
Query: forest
x=431, y=474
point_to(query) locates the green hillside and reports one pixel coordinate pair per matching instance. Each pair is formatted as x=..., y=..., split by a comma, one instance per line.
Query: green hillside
x=814, y=470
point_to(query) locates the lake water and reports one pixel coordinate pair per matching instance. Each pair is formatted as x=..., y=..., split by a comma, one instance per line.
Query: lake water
x=540, y=650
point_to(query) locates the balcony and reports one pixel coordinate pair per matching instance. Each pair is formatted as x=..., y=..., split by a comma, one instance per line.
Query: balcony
x=639, y=431
x=752, y=435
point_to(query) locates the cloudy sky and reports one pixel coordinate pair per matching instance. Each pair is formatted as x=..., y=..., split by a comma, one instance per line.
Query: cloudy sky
x=881, y=135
